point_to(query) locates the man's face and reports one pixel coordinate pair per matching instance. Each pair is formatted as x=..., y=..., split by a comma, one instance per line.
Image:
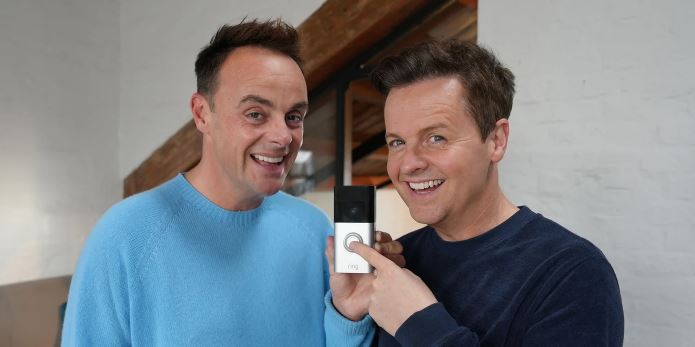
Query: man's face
x=437, y=160
x=256, y=123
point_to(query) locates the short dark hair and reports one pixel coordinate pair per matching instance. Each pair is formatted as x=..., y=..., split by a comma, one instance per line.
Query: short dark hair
x=274, y=35
x=488, y=85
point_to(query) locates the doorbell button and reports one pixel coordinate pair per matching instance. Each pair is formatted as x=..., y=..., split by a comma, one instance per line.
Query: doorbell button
x=351, y=237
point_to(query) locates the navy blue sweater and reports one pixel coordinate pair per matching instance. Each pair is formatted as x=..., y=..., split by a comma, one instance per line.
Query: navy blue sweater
x=526, y=282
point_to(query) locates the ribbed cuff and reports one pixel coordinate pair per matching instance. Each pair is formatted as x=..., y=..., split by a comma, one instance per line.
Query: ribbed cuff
x=345, y=325
x=341, y=331
x=426, y=327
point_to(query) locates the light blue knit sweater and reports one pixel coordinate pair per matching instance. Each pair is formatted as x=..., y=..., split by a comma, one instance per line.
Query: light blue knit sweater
x=170, y=268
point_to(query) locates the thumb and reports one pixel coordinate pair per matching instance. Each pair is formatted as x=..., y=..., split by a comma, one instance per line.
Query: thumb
x=330, y=254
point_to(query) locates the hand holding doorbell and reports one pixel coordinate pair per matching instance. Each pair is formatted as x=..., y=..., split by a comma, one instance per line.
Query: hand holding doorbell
x=351, y=290
x=396, y=293
x=354, y=212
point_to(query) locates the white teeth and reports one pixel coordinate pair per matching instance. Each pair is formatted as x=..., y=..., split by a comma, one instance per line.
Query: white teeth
x=425, y=185
x=272, y=160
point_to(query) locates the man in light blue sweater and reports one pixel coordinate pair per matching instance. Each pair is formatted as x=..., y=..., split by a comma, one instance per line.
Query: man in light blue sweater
x=218, y=256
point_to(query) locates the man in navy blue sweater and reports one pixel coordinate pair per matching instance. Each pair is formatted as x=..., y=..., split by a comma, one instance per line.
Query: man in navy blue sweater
x=484, y=271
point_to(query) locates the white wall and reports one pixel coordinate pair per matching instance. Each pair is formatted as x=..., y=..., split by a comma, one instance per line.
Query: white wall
x=159, y=43
x=602, y=140
x=58, y=122
x=88, y=89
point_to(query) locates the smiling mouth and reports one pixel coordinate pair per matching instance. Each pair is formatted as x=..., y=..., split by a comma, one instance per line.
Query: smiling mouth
x=425, y=186
x=268, y=160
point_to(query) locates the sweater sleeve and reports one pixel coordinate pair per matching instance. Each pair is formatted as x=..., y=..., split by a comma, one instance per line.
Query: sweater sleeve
x=434, y=326
x=341, y=331
x=98, y=304
x=583, y=309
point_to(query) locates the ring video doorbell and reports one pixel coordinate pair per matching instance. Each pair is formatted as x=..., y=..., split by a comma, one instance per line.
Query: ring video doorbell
x=354, y=211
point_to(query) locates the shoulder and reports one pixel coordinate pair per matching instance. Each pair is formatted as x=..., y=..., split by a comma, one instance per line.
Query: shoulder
x=135, y=217
x=561, y=256
x=569, y=266
x=546, y=236
x=573, y=273
x=302, y=211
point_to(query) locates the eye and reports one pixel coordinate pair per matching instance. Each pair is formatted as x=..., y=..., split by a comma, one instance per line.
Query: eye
x=396, y=143
x=254, y=115
x=294, y=119
x=437, y=139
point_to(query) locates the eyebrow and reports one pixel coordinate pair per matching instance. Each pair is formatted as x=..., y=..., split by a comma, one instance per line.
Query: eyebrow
x=252, y=98
x=424, y=130
x=301, y=106
x=433, y=127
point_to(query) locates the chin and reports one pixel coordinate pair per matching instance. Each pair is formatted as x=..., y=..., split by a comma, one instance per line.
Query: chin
x=425, y=217
x=270, y=188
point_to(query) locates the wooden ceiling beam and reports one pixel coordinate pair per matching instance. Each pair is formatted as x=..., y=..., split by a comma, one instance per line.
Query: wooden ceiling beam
x=178, y=154
x=364, y=91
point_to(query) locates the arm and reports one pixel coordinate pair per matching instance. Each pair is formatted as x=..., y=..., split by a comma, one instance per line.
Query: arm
x=434, y=326
x=341, y=331
x=403, y=305
x=98, y=304
x=582, y=308
x=345, y=320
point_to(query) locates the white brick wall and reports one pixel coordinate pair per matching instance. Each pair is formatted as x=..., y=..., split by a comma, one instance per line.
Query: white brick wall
x=602, y=140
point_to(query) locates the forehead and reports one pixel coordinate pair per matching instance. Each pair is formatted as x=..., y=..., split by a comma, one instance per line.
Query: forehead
x=256, y=67
x=432, y=100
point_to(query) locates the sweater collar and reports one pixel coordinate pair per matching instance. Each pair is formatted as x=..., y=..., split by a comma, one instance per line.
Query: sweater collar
x=490, y=238
x=193, y=198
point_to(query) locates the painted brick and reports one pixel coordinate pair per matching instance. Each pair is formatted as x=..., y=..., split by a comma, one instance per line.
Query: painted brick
x=602, y=140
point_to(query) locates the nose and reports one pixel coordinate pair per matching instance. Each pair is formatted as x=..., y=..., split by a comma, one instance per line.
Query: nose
x=280, y=134
x=412, y=161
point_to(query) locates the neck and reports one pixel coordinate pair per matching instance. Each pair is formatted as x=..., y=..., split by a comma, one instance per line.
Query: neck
x=489, y=211
x=210, y=180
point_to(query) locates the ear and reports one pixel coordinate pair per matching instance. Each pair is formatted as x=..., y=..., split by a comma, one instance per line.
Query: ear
x=498, y=139
x=200, y=108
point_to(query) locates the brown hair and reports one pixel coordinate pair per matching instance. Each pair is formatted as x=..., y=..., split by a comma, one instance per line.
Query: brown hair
x=488, y=85
x=274, y=35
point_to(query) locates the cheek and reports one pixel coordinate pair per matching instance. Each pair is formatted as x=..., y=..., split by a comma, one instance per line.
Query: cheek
x=298, y=137
x=392, y=167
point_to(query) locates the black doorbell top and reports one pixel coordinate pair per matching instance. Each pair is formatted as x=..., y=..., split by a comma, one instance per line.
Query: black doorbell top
x=354, y=204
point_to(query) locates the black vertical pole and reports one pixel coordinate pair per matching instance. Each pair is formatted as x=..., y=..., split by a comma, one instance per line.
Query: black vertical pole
x=340, y=133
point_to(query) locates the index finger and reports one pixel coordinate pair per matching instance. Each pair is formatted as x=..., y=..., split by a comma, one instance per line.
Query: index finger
x=373, y=257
